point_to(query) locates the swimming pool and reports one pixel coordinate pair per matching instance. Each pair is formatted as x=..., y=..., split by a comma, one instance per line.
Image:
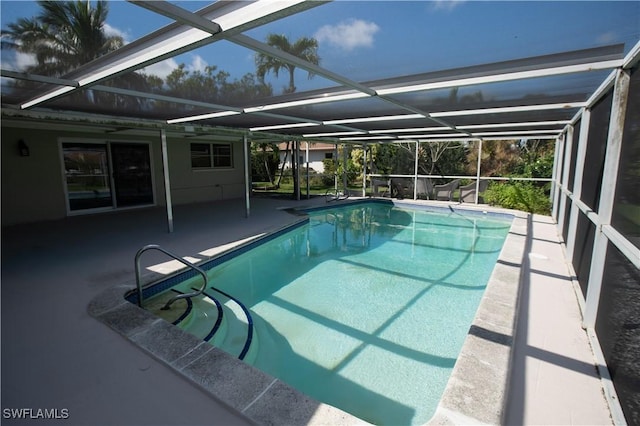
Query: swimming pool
x=365, y=307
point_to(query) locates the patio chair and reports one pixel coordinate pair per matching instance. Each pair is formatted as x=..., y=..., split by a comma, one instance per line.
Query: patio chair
x=401, y=188
x=424, y=187
x=468, y=192
x=376, y=184
x=445, y=192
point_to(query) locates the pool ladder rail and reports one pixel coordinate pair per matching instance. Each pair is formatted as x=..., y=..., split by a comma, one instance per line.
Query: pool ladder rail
x=179, y=259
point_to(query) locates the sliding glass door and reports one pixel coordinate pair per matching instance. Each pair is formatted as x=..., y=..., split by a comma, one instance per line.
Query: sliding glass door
x=107, y=175
x=131, y=174
x=86, y=169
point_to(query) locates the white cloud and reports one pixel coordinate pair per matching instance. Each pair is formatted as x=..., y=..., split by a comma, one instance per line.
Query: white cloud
x=446, y=5
x=113, y=31
x=349, y=34
x=197, y=64
x=161, y=69
x=25, y=60
x=164, y=68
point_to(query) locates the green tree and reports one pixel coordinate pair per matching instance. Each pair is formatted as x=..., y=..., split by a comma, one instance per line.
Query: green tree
x=264, y=159
x=305, y=48
x=212, y=85
x=66, y=35
x=63, y=36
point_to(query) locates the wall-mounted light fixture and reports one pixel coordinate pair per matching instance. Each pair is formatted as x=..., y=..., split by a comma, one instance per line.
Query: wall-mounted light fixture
x=23, y=149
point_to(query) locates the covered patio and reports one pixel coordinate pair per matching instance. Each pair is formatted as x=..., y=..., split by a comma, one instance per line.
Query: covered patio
x=377, y=75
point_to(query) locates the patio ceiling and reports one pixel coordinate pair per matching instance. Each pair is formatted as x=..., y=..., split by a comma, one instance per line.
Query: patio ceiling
x=487, y=92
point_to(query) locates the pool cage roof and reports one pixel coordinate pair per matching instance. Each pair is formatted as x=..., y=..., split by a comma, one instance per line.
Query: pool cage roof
x=387, y=71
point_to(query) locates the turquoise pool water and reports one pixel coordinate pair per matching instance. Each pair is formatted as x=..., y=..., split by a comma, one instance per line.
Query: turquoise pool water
x=366, y=307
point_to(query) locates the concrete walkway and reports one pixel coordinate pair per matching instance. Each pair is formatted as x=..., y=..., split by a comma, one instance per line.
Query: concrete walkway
x=554, y=379
x=55, y=356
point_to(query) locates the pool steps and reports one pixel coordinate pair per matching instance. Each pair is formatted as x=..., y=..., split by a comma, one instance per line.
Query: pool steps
x=218, y=320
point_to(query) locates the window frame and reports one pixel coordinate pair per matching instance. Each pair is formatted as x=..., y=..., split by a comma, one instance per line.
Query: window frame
x=213, y=157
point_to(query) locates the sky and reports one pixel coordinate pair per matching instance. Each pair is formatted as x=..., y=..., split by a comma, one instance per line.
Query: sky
x=369, y=40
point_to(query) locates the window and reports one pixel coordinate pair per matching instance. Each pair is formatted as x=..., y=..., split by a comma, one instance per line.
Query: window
x=210, y=156
x=328, y=155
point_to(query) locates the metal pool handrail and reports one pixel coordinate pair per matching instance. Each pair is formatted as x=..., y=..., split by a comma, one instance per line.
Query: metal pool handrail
x=189, y=264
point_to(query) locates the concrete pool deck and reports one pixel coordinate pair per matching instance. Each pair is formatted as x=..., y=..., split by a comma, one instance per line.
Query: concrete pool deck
x=55, y=355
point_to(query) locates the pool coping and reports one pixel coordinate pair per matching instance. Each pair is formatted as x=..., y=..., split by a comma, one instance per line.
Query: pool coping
x=476, y=390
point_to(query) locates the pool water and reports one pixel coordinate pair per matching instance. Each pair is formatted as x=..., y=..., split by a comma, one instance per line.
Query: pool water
x=367, y=306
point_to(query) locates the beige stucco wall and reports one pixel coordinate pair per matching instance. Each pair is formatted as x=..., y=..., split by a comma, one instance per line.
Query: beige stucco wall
x=191, y=186
x=33, y=187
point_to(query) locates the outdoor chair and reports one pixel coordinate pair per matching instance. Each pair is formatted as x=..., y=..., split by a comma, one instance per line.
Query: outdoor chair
x=376, y=184
x=401, y=188
x=424, y=188
x=468, y=192
x=445, y=192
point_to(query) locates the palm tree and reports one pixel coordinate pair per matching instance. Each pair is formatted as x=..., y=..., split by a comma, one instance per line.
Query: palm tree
x=305, y=48
x=64, y=36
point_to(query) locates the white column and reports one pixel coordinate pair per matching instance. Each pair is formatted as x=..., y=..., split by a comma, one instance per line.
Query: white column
x=345, y=180
x=577, y=181
x=247, y=174
x=364, y=170
x=568, y=140
x=415, y=172
x=167, y=181
x=478, y=171
x=336, y=164
x=607, y=195
x=296, y=187
x=555, y=187
x=307, y=162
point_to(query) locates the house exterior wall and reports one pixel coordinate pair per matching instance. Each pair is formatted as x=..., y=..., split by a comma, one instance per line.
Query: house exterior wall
x=33, y=187
x=192, y=186
x=316, y=158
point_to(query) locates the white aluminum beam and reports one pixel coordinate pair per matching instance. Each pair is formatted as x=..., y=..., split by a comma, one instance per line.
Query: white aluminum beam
x=169, y=41
x=496, y=78
x=577, y=182
x=500, y=110
x=632, y=57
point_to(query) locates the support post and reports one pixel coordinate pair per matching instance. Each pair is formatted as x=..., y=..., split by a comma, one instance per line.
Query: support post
x=478, y=171
x=364, y=170
x=555, y=179
x=308, y=196
x=247, y=174
x=167, y=181
x=607, y=195
x=565, y=178
x=296, y=178
x=336, y=164
x=415, y=172
x=345, y=180
x=577, y=182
